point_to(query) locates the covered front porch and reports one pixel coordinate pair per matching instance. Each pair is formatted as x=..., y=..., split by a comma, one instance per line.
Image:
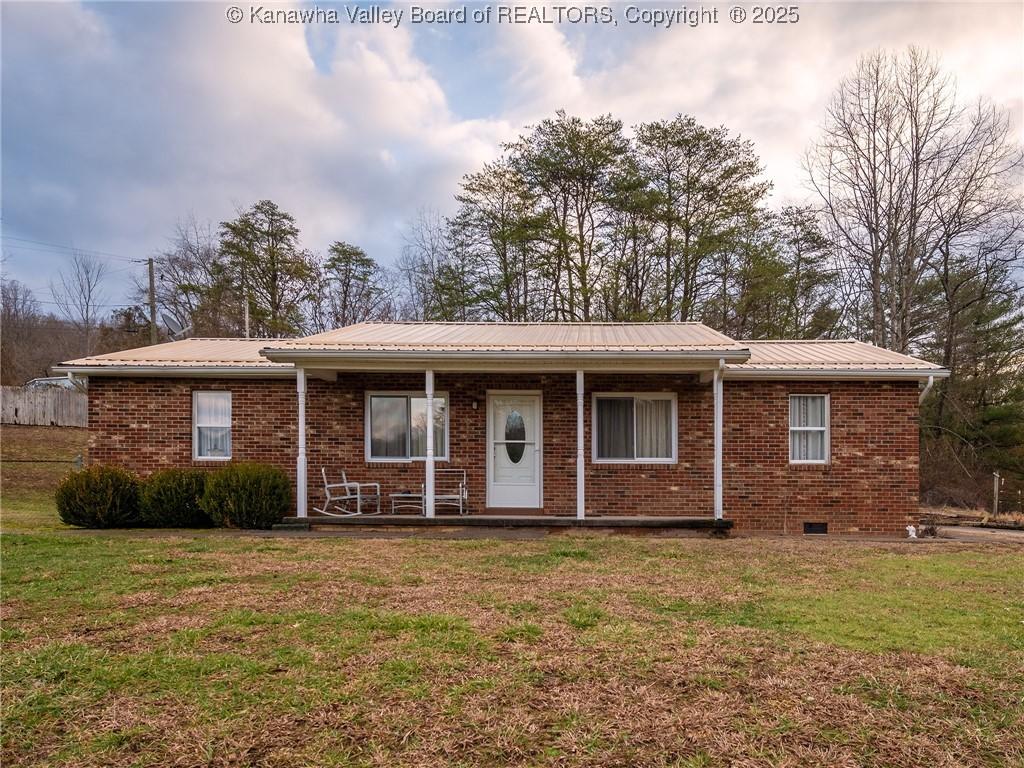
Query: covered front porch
x=613, y=442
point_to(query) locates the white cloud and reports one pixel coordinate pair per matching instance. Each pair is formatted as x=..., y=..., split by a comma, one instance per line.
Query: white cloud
x=120, y=118
x=771, y=84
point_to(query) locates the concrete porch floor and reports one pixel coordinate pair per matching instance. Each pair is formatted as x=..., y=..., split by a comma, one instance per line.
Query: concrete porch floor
x=703, y=523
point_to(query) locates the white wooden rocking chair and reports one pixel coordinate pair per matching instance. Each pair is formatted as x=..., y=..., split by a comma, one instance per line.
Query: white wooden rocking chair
x=340, y=495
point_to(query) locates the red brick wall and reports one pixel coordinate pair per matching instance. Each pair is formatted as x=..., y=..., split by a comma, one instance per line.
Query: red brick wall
x=870, y=484
x=145, y=424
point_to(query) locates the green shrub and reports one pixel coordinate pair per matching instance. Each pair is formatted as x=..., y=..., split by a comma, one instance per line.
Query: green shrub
x=170, y=499
x=99, y=497
x=247, y=496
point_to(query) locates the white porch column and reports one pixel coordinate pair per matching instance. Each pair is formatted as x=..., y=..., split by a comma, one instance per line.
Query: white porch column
x=300, y=462
x=428, y=491
x=717, y=384
x=581, y=494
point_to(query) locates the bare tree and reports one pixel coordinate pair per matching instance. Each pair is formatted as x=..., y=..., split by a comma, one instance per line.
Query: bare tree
x=79, y=296
x=23, y=353
x=188, y=275
x=437, y=283
x=902, y=170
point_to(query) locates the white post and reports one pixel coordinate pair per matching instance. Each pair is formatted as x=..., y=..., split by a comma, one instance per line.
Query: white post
x=300, y=462
x=581, y=494
x=717, y=384
x=428, y=494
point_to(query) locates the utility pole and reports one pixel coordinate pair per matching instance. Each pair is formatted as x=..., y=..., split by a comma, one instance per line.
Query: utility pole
x=152, y=303
x=245, y=301
x=995, y=493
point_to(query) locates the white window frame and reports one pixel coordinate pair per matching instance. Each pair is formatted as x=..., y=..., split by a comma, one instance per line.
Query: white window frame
x=671, y=396
x=196, y=425
x=827, y=429
x=408, y=394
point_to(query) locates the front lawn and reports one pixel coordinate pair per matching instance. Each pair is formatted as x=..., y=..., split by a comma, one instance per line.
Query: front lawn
x=123, y=649
x=159, y=649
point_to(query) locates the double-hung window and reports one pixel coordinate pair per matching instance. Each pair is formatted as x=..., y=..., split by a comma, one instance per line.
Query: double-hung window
x=211, y=426
x=808, y=429
x=396, y=426
x=635, y=428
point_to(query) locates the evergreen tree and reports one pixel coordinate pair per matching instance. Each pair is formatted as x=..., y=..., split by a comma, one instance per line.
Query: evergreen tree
x=261, y=256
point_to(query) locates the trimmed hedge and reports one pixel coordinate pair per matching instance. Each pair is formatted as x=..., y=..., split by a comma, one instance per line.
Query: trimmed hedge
x=170, y=499
x=99, y=497
x=247, y=496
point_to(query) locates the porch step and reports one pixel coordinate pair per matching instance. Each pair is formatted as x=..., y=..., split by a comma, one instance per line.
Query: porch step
x=288, y=526
x=511, y=521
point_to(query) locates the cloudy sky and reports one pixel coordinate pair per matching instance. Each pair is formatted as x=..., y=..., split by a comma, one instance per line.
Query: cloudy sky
x=119, y=118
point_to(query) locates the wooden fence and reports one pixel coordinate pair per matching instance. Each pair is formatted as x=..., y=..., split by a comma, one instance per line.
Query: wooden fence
x=44, y=406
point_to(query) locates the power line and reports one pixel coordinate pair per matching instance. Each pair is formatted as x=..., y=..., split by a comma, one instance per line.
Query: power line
x=48, y=292
x=108, y=306
x=105, y=273
x=69, y=248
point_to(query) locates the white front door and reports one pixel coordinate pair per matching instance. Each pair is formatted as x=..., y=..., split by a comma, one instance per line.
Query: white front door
x=514, y=450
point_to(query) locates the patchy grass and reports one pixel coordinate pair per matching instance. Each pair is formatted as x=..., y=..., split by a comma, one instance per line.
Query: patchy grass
x=127, y=648
x=219, y=650
x=32, y=461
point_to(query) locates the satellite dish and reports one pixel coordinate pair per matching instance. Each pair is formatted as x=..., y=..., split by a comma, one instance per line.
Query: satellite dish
x=178, y=331
x=172, y=325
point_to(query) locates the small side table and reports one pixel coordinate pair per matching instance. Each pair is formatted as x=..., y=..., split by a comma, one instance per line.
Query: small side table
x=406, y=501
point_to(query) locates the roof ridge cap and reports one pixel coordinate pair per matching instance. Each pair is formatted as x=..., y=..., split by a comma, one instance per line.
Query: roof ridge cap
x=800, y=341
x=519, y=322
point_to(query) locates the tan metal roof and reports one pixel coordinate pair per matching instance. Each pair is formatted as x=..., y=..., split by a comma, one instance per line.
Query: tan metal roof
x=191, y=353
x=845, y=357
x=829, y=355
x=515, y=337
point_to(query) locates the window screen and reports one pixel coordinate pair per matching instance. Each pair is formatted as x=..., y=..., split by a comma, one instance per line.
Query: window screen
x=808, y=428
x=211, y=417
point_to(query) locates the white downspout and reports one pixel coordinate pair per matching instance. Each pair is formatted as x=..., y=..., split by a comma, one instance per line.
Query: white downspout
x=581, y=494
x=428, y=491
x=717, y=386
x=926, y=390
x=300, y=461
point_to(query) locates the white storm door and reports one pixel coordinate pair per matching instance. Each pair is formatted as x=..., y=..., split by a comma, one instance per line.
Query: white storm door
x=514, y=450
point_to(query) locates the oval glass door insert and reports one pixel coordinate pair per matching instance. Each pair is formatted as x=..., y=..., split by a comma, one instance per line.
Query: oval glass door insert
x=515, y=429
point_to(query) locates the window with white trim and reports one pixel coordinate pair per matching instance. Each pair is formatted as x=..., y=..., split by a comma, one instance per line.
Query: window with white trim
x=634, y=428
x=396, y=426
x=211, y=426
x=808, y=429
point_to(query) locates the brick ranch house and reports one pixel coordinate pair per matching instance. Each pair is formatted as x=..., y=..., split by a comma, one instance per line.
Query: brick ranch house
x=587, y=422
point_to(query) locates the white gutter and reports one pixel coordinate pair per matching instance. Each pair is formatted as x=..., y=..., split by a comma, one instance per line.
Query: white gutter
x=180, y=371
x=926, y=390
x=833, y=373
x=185, y=370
